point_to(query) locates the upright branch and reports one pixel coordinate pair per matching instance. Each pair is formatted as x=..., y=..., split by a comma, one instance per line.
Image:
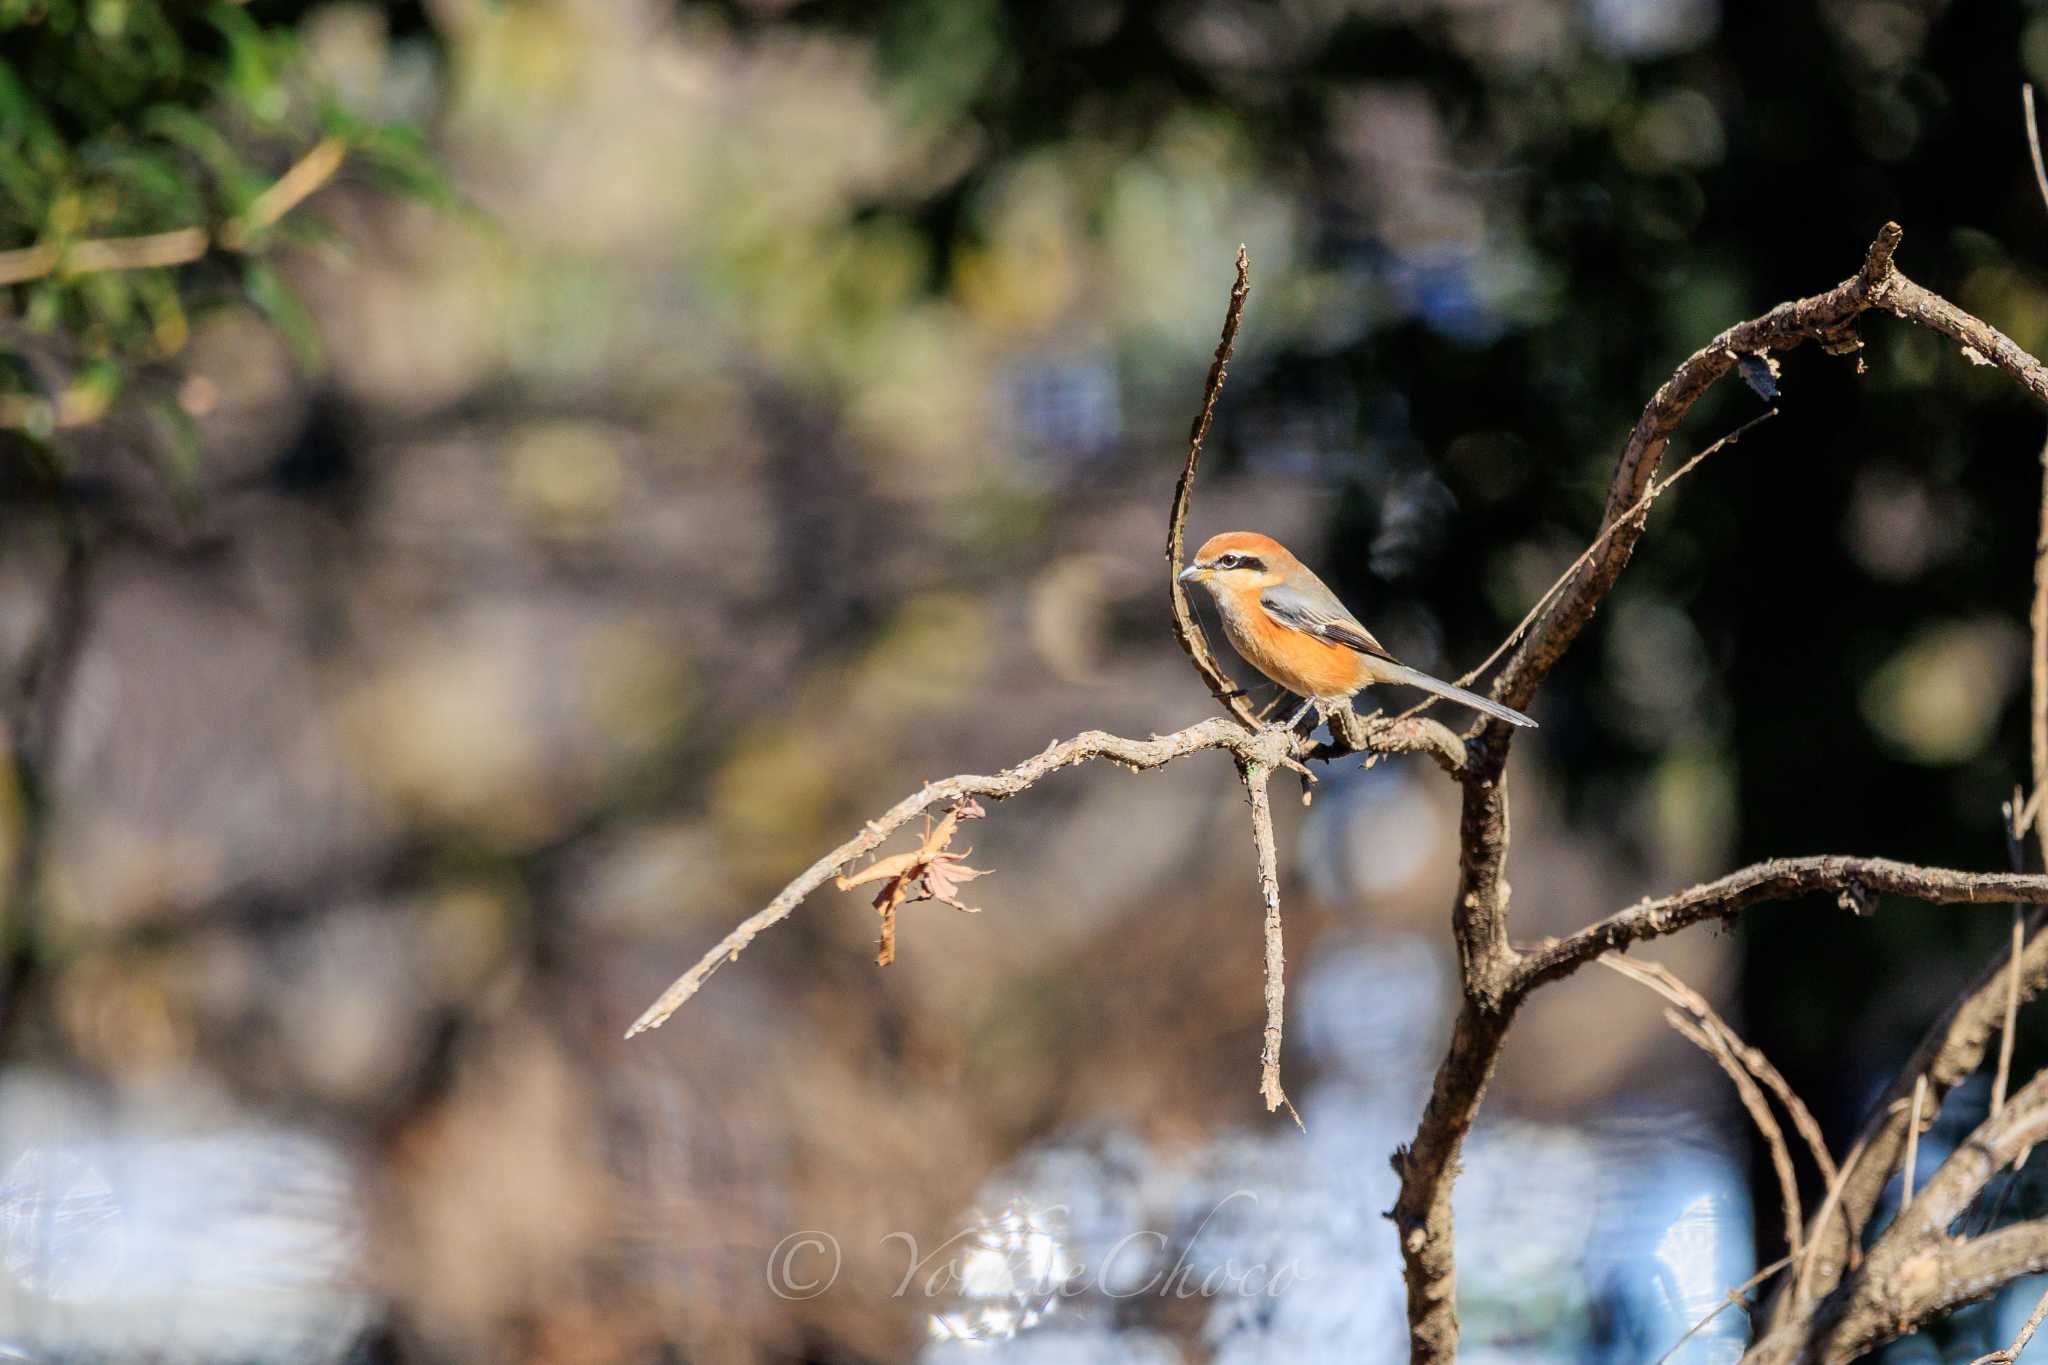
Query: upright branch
x=1496, y=977
x=1186, y=629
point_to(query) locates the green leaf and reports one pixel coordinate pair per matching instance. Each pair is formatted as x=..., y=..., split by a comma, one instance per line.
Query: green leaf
x=397, y=156
x=287, y=312
x=238, y=181
x=258, y=59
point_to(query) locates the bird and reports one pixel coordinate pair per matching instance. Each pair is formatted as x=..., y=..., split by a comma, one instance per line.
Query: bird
x=1290, y=627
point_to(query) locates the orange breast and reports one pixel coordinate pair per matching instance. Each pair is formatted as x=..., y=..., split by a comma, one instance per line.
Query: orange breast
x=1300, y=663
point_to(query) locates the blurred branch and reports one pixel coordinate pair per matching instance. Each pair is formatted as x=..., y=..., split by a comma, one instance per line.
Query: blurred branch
x=33, y=719
x=2017, y=813
x=1953, y=1048
x=181, y=246
x=1186, y=629
x=1759, y=1109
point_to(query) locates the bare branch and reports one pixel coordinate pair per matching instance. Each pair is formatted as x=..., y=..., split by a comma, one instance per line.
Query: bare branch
x=1267, y=746
x=2032, y=1325
x=1637, y=515
x=1824, y=317
x=1854, y=881
x=1186, y=629
x=2030, y=810
x=1938, y=1276
x=1953, y=1048
x=1911, y=1272
x=1981, y=341
x=1376, y=735
x=1255, y=776
x=1759, y=1109
x=1720, y=1041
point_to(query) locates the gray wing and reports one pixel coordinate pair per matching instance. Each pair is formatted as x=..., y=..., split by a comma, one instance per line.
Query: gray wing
x=1318, y=613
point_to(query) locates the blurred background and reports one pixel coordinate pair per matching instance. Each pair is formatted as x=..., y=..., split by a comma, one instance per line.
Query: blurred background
x=677, y=430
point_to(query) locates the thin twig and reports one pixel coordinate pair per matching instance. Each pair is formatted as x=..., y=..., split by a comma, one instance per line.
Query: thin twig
x=1759, y=1113
x=1831, y=1201
x=1912, y=1163
x=1186, y=629
x=1255, y=776
x=2014, y=811
x=1735, y=1296
x=1668, y=984
x=2033, y=1323
x=1635, y=515
x=1712, y=1035
x=2034, y=140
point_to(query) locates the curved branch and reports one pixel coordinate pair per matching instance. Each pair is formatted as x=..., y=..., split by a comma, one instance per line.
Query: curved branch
x=1822, y=317
x=1746, y=1066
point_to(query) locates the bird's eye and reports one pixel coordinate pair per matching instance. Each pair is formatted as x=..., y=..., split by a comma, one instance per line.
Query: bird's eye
x=1228, y=561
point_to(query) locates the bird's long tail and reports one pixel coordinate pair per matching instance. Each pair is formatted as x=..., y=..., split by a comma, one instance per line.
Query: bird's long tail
x=1411, y=677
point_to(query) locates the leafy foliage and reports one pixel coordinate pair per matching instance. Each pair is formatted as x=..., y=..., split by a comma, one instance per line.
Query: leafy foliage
x=152, y=131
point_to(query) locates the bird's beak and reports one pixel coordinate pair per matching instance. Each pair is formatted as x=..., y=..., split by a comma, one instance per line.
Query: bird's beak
x=1194, y=573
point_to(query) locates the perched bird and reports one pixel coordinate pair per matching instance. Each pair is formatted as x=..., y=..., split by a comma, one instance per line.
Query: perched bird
x=1295, y=631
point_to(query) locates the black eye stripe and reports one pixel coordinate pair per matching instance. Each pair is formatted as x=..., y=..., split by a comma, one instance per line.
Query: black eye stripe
x=1238, y=561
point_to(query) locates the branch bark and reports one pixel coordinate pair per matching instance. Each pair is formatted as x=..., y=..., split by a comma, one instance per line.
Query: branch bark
x=1917, y=1269
x=1496, y=978
x=1256, y=776
x=1854, y=882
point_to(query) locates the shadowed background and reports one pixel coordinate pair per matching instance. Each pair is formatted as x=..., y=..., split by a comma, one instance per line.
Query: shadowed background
x=784, y=412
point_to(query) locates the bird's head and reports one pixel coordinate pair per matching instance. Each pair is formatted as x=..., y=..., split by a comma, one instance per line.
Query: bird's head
x=1242, y=561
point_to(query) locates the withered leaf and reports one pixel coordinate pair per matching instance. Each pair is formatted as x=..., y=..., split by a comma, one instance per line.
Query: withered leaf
x=927, y=872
